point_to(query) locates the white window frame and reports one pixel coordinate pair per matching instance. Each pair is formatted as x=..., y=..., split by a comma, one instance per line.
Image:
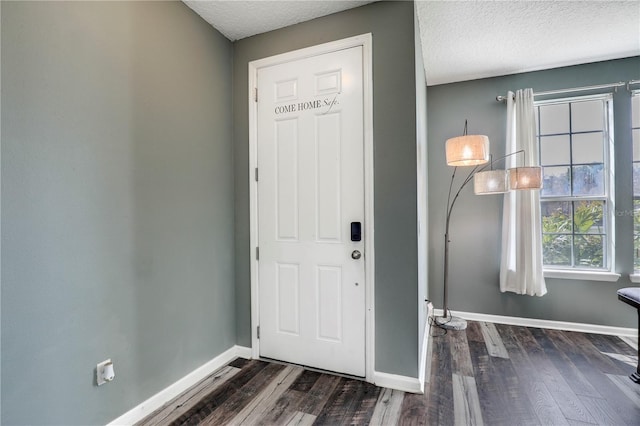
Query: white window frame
x=606, y=273
x=635, y=277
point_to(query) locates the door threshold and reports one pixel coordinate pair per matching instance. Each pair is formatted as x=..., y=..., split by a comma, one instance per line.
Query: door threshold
x=317, y=370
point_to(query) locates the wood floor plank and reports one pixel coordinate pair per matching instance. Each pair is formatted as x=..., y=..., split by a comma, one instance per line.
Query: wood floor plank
x=620, y=346
x=501, y=394
x=629, y=388
x=537, y=375
x=388, y=406
x=339, y=401
x=466, y=404
x=578, y=423
x=516, y=407
x=440, y=408
x=262, y=402
x=631, y=361
x=365, y=405
x=284, y=408
x=227, y=390
x=518, y=356
x=224, y=413
x=460, y=358
x=492, y=400
x=588, y=360
x=489, y=394
x=217, y=413
x=343, y=405
x=606, y=345
x=569, y=371
x=596, y=358
x=414, y=410
x=239, y=362
x=183, y=402
x=571, y=407
x=495, y=391
x=474, y=333
x=544, y=405
x=547, y=377
x=528, y=371
x=540, y=351
x=631, y=341
x=319, y=394
x=492, y=339
x=306, y=380
x=301, y=419
x=290, y=401
x=602, y=411
x=307, y=394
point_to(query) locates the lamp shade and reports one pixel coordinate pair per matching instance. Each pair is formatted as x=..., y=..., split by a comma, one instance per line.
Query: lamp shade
x=525, y=178
x=467, y=150
x=490, y=182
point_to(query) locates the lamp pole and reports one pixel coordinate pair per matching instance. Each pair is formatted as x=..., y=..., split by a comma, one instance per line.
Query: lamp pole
x=447, y=321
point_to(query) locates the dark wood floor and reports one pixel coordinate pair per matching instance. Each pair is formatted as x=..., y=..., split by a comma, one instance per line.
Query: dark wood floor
x=489, y=374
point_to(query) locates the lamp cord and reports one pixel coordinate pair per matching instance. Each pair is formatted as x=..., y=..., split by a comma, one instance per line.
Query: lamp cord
x=433, y=322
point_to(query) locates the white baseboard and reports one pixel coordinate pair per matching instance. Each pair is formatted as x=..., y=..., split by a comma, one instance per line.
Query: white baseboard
x=540, y=323
x=158, y=400
x=422, y=368
x=394, y=381
x=243, y=352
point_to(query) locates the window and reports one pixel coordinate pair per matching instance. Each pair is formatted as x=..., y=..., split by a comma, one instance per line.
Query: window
x=635, y=126
x=575, y=140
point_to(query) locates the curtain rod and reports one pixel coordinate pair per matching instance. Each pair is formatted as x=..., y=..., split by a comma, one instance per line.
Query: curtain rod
x=576, y=89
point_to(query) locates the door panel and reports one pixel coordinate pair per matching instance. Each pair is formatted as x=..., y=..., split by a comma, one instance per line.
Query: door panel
x=328, y=182
x=311, y=186
x=286, y=146
x=329, y=303
x=288, y=307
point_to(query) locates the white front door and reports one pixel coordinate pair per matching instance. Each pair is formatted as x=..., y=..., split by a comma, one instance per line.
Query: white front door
x=311, y=282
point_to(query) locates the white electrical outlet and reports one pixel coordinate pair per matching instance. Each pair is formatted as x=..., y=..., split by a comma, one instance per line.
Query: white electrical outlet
x=428, y=306
x=105, y=372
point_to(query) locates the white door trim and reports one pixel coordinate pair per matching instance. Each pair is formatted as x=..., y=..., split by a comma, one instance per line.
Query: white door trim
x=365, y=41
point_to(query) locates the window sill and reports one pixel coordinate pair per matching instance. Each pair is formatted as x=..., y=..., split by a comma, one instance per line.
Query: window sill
x=635, y=278
x=583, y=275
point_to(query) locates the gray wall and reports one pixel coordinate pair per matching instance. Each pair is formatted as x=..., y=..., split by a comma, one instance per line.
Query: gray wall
x=117, y=204
x=476, y=229
x=396, y=292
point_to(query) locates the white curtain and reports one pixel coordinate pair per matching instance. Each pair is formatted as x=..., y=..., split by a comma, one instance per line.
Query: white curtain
x=521, y=261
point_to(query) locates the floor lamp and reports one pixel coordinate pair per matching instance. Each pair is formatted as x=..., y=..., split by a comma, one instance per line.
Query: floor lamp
x=473, y=150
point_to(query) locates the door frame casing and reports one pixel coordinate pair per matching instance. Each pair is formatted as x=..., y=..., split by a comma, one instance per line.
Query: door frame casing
x=364, y=40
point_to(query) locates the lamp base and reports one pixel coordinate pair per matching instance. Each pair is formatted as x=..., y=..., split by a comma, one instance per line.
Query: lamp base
x=451, y=323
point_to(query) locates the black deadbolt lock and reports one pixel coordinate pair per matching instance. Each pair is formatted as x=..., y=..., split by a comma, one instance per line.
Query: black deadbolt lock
x=356, y=231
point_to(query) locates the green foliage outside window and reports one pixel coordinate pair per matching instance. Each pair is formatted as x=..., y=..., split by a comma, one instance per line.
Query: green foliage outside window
x=584, y=230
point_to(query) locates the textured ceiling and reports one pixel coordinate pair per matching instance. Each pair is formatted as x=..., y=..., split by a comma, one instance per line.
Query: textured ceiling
x=238, y=19
x=465, y=40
